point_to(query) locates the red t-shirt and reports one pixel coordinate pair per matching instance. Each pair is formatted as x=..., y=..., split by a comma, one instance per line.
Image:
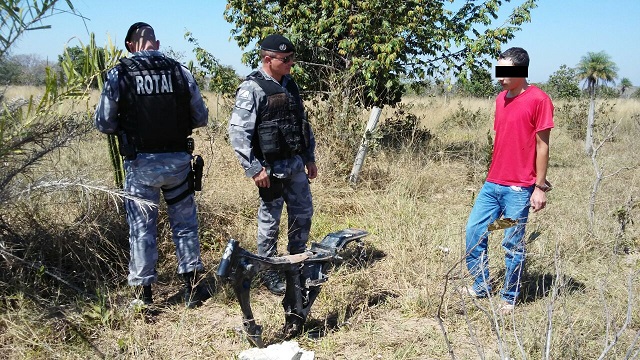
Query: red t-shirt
x=516, y=123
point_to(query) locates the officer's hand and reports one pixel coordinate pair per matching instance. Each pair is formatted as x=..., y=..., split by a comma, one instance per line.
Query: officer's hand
x=262, y=179
x=312, y=170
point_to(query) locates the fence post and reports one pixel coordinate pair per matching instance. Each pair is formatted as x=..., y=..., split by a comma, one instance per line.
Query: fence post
x=362, y=152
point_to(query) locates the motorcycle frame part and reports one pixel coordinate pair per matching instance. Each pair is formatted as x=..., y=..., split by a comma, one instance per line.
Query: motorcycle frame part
x=304, y=275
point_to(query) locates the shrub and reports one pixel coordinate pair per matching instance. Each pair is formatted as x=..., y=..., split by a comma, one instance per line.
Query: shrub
x=401, y=130
x=572, y=116
x=465, y=119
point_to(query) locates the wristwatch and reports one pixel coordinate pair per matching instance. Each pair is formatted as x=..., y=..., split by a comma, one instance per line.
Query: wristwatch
x=546, y=187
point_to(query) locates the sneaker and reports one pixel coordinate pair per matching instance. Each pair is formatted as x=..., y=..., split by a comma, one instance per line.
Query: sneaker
x=143, y=294
x=506, y=308
x=468, y=290
x=273, y=282
x=144, y=298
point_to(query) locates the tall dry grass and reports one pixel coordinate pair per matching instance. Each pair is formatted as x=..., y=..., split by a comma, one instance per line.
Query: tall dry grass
x=579, y=295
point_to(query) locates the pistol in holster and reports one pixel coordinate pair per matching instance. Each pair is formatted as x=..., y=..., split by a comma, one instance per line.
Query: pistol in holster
x=274, y=191
x=196, y=172
x=126, y=146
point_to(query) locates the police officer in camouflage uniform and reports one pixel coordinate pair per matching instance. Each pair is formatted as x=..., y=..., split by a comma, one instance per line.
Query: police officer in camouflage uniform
x=272, y=138
x=152, y=103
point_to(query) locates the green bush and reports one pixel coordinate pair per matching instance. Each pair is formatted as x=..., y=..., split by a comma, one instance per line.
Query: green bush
x=572, y=116
x=563, y=84
x=465, y=119
x=402, y=130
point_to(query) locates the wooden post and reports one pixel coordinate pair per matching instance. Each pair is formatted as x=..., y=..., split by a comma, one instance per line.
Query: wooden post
x=362, y=152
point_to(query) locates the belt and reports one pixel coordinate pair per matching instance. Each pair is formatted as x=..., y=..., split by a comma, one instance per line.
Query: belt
x=281, y=156
x=162, y=149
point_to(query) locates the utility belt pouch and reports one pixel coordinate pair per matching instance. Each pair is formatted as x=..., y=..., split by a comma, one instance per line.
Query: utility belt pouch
x=268, y=138
x=126, y=147
x=196, y=173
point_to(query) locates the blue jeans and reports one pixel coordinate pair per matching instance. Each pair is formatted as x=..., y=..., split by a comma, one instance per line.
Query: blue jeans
x=495, y=201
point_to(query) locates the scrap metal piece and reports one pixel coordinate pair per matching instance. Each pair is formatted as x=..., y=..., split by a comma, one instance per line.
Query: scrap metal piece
x=304, y=273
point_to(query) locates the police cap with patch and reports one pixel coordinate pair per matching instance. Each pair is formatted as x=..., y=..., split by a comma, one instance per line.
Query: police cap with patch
x=277, y=43
x=133, y=29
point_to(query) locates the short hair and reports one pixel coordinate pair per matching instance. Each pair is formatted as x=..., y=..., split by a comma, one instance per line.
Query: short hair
x=264, y=53
x=517, y=55
x=136, y=33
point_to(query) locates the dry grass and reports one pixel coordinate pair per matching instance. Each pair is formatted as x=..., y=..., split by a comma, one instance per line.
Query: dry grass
x=415, y=205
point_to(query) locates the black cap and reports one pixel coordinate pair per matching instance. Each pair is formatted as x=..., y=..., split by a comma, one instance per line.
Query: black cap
x=277, y=43
x=133, y=29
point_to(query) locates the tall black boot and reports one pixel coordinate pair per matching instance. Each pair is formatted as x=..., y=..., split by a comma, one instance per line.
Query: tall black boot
x=191, y=298
x=147, y=295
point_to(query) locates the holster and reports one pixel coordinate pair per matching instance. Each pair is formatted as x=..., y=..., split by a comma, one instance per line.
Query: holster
x=196, y=173
x=126, y=147
x=275, y=191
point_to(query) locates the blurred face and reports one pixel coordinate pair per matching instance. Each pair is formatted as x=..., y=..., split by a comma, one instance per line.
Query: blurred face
x=510, y=83
x=280, y=64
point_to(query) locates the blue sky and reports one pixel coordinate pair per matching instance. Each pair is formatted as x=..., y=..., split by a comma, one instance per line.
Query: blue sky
x=561, y=31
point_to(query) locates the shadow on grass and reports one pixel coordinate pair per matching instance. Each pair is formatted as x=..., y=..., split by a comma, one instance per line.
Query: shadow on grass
x=207, y=287
x=538, y=285
x=318, y=328
x=359, y=256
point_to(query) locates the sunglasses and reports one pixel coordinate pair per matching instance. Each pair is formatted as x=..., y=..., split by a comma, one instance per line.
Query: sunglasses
x=286, y=59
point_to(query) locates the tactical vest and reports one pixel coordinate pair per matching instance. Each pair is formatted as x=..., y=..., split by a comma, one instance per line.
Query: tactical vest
x=154, y=110
x=282, y=128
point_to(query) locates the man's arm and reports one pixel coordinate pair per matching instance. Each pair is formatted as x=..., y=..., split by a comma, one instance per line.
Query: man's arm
x=539, y=197
x=242, y=127
x=199, y=111
x=309, y=156
x=106, y=116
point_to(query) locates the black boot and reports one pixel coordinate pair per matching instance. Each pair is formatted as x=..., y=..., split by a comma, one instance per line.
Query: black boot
x=147, y=295
x=273, y=281
x=191, y=298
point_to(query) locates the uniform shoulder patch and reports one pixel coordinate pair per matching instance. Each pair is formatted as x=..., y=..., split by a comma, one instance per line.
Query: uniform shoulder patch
x=244, y=94
x=244, y=99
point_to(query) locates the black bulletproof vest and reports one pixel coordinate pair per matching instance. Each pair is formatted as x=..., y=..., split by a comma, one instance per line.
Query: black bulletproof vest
x=154, y=101
x=282, y=128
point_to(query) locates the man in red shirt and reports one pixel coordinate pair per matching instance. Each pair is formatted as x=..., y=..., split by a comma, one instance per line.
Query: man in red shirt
x=517, y=176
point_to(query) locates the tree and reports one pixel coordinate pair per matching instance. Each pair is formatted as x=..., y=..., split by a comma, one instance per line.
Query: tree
x=221, y=79
x=625, y=83
x=368, y=46
x=19, y=16
x=10, y=71
x=479, y=84
x=595, y=68
x=81, y=59
x=33, y=69
x=563, y=84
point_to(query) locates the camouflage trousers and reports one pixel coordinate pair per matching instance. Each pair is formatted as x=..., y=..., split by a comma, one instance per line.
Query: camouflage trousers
x=146, y=177
x=290, y=182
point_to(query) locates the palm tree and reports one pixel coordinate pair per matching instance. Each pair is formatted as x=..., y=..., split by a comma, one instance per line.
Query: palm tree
x=595, y=68
x=625, y=83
